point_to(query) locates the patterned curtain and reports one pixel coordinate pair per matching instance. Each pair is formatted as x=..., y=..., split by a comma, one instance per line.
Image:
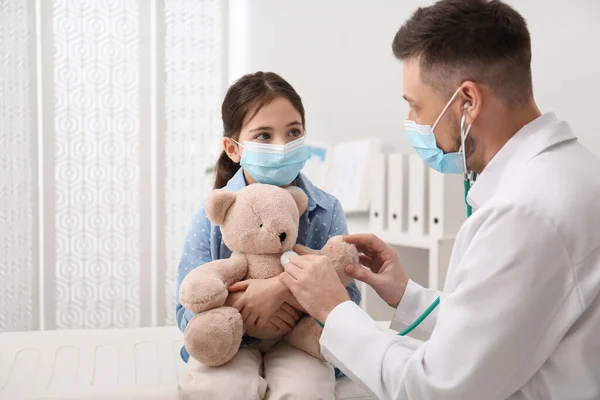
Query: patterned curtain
x=194, y=90
x=18, y=167
x=109, y=117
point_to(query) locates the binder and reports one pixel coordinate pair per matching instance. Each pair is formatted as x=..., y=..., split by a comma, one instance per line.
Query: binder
x=348, y=176
x=397, y=194
x=447, y=208
x=417, y=196
x=378, y=186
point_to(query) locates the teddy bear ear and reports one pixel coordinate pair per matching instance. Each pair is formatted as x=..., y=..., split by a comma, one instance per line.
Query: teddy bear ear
x=299, y=197
x=217, y=204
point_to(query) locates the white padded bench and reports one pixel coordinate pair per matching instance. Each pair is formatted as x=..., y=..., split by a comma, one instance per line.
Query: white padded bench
x=117, y=364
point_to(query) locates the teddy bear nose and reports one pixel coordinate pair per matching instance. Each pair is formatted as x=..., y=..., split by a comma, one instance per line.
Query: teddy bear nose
x=282, y=237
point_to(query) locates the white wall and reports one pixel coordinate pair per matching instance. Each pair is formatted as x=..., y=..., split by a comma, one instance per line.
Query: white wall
x=337, y=54
x=566, y=62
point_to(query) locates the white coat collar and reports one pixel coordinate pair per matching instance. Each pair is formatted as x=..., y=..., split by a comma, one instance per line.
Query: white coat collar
x=531, y=140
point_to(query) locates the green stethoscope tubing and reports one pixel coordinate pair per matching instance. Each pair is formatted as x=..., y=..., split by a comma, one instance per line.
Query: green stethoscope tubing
x=414, y=324
x=411, y=327
x=467, y=184
x=421, y=318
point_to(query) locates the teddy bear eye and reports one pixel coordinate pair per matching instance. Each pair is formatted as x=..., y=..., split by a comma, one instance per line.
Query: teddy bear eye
x=260, y=226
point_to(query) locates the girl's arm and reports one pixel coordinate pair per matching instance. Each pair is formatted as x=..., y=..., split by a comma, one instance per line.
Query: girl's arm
x=196, y=252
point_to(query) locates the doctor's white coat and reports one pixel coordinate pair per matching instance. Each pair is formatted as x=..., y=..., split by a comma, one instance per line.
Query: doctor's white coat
x=519, y=316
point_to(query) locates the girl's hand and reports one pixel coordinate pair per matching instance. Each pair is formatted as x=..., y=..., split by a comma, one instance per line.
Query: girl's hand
x=232, y=298
x=285, y=318
x=280, y=324
x=261, y=299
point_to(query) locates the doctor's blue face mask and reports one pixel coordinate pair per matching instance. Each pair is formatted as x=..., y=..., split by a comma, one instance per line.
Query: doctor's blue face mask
x=423, y=140
x=274, y=164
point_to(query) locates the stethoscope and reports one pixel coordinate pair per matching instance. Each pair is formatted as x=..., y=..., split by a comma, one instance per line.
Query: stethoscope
x=467, y=183
x=469, y=177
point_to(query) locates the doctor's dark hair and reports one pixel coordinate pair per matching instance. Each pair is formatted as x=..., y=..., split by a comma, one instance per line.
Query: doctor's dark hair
x=243, y=100
x=484, y=41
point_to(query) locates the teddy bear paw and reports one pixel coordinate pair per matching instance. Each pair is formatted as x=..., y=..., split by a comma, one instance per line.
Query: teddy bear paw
x=214, y=337
x=203, y=295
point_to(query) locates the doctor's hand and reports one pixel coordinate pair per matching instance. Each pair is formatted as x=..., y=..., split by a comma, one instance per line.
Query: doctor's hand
x=383, y=272
x=315, y=284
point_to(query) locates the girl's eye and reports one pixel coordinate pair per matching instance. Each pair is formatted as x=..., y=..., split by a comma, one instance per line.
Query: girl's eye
x=294, y=132
x=263, y=136
x=260, y=226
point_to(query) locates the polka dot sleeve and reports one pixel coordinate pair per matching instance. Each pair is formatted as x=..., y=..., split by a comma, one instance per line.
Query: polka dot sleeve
x=196, y=252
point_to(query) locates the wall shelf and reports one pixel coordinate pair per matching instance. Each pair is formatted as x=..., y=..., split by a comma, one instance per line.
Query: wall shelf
x=406, y=240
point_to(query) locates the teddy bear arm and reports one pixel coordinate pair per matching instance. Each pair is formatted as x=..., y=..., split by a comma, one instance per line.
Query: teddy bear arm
x=340, y=255
x=234, y=270
x=305, y=337
x=206, y=287
x=229, y=270
x=303, y=250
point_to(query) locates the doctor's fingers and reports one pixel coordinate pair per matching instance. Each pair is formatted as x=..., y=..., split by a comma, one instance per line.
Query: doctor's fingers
x=294, y=286
x=374, y=264
x=293, y=270
x=303, y=250
x=361, y=273
x=288, y=280
x=369, y=244
x=302, y=261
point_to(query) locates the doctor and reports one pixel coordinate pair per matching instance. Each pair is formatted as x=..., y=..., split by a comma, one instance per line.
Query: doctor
x=519, y=316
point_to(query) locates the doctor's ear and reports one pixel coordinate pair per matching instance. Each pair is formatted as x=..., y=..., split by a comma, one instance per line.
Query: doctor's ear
x=472, y=112
x=471, y=96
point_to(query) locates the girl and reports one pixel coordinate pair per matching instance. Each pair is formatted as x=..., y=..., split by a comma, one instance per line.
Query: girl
x=262, y=108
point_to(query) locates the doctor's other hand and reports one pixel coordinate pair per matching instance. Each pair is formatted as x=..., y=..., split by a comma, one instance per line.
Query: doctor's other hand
x=383, y=272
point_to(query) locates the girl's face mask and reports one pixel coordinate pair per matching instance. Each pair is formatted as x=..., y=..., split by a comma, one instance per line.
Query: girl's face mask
x=274, y=164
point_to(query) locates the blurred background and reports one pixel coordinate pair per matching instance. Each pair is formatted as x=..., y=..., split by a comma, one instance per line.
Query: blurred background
x=110, y=118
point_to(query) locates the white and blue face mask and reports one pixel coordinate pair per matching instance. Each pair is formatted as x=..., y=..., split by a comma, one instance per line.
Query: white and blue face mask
x=274, y=164
x=423, y=140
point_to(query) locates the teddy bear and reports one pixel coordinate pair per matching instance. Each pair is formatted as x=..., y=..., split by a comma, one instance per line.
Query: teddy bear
x=258, y=224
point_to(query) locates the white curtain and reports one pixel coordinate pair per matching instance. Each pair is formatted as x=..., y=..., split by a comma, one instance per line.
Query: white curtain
x=109, y=118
